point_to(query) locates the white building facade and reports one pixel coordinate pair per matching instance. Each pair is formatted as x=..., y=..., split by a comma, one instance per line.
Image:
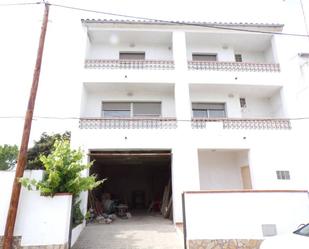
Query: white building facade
x=214, y=95
x=211, y=102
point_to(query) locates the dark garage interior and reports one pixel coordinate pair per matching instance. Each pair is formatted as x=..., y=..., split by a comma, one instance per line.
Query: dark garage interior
x=137, y=179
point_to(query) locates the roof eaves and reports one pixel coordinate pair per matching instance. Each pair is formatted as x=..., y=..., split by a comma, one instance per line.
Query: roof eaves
x=154, y=22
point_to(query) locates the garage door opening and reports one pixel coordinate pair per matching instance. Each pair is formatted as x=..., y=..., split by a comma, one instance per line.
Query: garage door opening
x=138, y=183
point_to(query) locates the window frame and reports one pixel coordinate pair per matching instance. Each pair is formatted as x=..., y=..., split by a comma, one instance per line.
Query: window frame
x=238, y=56
x=283, y=175
x=243, y=102
x=143, y=53
x=204, y=54
x=131, y=110
x=207, y=109
x=115, y=102
x=146, y=115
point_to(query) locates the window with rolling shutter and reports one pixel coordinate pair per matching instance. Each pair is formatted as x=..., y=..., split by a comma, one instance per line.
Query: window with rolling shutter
x=131, y=55
x=131, y=109
x=116, y=109
x=148, y=109
x=208, y=110
x=204, y=57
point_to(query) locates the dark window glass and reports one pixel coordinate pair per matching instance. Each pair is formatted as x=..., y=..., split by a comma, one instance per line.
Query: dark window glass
x=204, y=57
x=132, y=55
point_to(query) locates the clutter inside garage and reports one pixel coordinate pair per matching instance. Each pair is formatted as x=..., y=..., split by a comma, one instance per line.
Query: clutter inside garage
x=137, y=183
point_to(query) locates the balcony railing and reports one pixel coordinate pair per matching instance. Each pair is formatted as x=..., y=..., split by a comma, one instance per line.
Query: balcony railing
x=130, y=64
x=127, y=123
x=258, y=124
x=233, y=66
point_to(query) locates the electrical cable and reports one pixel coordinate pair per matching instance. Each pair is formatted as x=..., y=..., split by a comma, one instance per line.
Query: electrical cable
x=18, y=4
x=304, y=16
x=160, y=21
x=180, y=120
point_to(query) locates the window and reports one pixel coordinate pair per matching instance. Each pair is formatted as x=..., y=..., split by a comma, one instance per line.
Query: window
x=242, y=102
x=149, y=109
x=238, y=57
x=131, y=55
x=116, y=109
x=131, y=109
x=283, y=175
x=208, y=110
x=204, y=57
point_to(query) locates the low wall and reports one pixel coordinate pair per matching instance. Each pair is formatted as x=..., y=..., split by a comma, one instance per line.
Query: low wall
x=76, y=232
x=240, y=219
x=41, y=221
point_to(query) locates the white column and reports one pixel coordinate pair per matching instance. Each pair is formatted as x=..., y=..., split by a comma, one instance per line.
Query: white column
x=182, y=94
x=185, y=168
x=185, y=174
x=80, y=94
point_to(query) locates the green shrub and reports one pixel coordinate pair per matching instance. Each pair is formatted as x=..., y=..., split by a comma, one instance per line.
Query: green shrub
x=63, y=168
x=43, y=146
x=63, y=174
x=78, y=216
x=8, y=156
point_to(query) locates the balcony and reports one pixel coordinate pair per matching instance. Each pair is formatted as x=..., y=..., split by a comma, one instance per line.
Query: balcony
x=127, y=123
x=243, y=59
x=114, y=55
x=233, y=66
x=238, y=108
x=130, y=64
x=240, y=123
x=127, y=106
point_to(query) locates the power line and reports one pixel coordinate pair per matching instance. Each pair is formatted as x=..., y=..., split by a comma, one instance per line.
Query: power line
x=18, y=4
x=180, y=120
x=304, y=16
x=160, y=21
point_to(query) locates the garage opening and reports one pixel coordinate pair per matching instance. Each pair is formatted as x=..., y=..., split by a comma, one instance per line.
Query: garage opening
x=138, y=183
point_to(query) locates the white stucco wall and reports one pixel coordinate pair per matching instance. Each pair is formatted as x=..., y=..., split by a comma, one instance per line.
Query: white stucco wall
x=62, y=75
x=76, y=231
x=110, y=52
x=40, y=220
x=257, y=57
x=258, y=106
x=118, y=92
x=216, y=96
x=219, y=170
x=241, y=215
x=277, y=105
x=269, y=54
x=222, y=54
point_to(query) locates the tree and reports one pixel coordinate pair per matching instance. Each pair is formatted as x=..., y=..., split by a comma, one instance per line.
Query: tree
x=44, y=146
x=8, y=156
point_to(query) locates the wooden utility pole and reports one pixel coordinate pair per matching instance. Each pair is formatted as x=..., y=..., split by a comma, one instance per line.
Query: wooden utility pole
x=22, y=157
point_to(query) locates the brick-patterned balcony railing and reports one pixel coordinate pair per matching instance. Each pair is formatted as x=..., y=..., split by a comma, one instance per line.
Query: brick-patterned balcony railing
x=238, y=123
x=130, y=64
x=127, y=123
x=233, y=66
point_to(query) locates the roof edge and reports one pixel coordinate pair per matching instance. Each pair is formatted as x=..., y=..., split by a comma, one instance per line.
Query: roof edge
x=175, y=23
